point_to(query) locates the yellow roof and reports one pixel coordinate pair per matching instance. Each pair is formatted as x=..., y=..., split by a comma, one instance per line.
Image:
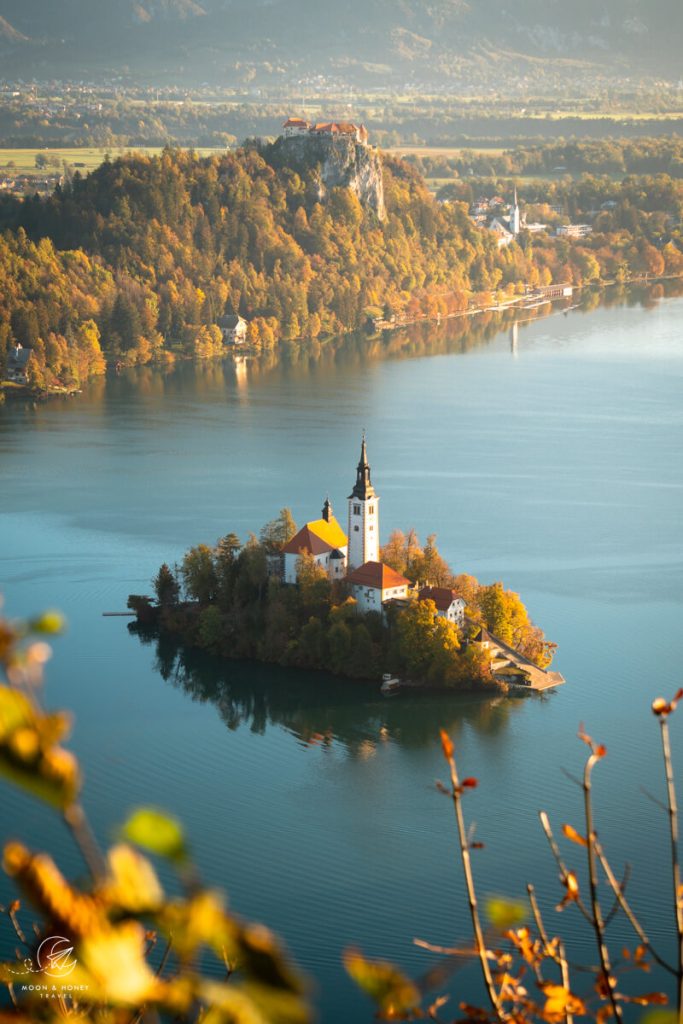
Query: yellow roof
x=331, y=532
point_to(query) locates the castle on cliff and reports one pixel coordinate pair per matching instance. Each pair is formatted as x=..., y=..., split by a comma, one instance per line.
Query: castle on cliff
x=296, y=127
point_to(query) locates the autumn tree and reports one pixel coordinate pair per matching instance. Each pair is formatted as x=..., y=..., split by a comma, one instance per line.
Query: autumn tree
x=199, y=574
x=278, y=532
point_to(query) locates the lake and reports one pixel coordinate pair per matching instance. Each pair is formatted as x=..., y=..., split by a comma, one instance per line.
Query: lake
x=549, y=457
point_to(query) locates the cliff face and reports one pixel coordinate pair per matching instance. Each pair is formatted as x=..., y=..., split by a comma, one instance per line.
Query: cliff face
x=342, y=163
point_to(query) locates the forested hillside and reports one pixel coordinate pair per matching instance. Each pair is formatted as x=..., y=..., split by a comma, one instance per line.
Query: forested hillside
x=136, y=262
x=155, y=250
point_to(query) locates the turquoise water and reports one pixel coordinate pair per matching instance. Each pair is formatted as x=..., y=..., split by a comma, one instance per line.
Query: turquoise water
x=553, y=463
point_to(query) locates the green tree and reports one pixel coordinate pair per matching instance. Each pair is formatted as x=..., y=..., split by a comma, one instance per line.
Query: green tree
x=199, y=574
x=166, y=587
x=211, y=629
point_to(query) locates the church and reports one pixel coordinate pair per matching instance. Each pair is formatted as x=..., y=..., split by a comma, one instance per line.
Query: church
x=351, y=556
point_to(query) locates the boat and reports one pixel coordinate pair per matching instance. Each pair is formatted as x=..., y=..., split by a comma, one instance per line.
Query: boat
x=390, y=685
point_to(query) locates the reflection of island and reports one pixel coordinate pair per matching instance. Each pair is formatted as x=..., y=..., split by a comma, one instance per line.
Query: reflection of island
x=317, y=708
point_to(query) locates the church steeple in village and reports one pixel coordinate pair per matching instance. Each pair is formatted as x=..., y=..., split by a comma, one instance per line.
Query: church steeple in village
x=363, y=515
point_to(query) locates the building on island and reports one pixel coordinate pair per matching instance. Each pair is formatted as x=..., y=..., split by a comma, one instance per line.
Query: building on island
x=373, y=584
x=233, y=328
x=322, y=538
x=353, y=561
x=448, y=604
x=363, y=515
x=18, y=359
x=509, y=666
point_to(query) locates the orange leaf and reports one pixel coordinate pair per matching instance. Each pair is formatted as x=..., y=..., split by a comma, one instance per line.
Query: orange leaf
x=571, y=833
x=446, y=745
x=469, y=783
x=600, y=750
x=650, y=998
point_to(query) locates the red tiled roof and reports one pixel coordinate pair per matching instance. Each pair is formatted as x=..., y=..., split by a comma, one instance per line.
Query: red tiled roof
x=317, y=537
x=378, y=576
x=443, y=597
x=306, y=540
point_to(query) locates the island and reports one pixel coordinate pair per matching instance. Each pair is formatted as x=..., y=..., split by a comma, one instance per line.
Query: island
x=322, y=597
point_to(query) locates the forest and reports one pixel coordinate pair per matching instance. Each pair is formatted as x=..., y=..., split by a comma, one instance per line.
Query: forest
x=135, y=262
x=229, y=600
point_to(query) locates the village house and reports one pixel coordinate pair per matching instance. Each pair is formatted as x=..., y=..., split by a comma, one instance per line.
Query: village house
x=233, y=328
x=488, y=213
x=18, y=359
x=448, y=604
x=373, y=584
x=574, y=230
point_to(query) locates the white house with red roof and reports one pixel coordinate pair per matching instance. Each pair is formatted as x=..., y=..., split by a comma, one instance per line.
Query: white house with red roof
x=373, y=584
x=448, y=604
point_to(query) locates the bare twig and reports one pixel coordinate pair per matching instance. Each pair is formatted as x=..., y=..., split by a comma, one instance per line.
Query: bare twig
x=622, y=902
x=675, y=863
x=564, y=968
x=564, y=870
x=614, y=910
x=598, y=923
x=558, y=957
x=18, y=930
x=78, y=825
x=469, y=879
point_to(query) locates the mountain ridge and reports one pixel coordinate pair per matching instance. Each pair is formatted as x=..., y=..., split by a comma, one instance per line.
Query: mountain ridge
x=409, y=37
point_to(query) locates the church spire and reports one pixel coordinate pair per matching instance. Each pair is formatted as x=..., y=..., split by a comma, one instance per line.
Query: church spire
x=363, y=488
x=328, y=514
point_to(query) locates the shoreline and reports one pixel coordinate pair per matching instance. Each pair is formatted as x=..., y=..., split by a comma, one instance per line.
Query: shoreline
x=521, y=303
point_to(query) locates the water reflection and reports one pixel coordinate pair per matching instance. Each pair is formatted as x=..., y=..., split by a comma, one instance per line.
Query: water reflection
x=213, y=380
x=320, y=709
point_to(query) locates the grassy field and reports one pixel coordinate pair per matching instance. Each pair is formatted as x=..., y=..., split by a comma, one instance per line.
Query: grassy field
x=82, y=159
x=446, y=151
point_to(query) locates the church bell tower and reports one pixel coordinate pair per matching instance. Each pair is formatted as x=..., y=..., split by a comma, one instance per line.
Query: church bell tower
x=363, y=516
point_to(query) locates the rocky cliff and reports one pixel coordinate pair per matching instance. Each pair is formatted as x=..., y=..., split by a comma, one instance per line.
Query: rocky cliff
x=340, y=162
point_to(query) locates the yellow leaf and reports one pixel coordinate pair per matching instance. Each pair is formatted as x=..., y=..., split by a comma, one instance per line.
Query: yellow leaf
x=157, y=832
x=132, y=884
x=201, y=921
x=504, y=913
x=385, y=984
x=112, y=964
x=560, y=1001
x=29, y=755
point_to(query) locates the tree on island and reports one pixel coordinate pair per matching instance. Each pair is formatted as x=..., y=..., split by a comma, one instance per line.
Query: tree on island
x=166, y=587
x=278, y=532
